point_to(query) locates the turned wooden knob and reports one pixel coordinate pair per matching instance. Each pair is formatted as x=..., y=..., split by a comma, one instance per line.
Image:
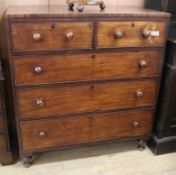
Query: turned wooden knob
x=37, y=37
x=118, y=34
x=38, y=69
x=135, y=124
x=146, y=33
x=39, y=102
x=42, y=134
x=142, y=63
x=139, y=94
x=70, y=36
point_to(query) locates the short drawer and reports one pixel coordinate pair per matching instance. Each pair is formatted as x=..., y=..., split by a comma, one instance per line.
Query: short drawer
x=65, y=99
x=130, y=34
x=2, y=142
x=45, y=36
x=81, y=129
x=73, y=67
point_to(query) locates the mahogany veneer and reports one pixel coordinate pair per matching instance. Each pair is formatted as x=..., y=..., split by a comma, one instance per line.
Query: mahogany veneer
x=82, y=78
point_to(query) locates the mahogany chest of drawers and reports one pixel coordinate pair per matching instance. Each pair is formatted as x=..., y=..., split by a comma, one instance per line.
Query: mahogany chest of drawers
x=83, y=78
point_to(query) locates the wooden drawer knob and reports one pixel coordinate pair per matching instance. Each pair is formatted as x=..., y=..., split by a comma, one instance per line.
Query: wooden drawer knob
x=146, y=33
x=118, y=34
x=38, y=69
x=139, y=94
x=37, y=37
x=42, y=134
x=135, y=124
x=142, y=63
x=39, y=102
x=70, y=36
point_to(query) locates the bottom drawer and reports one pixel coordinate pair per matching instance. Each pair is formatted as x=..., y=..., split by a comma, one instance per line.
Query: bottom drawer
x=2, y=142
x=44, y=133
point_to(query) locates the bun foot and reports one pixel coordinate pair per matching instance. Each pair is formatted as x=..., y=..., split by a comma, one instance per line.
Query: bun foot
x=80, y=8
x=141, y=145
x=27, y=161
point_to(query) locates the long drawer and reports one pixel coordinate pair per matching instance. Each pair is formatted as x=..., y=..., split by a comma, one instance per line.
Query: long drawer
x=48, y=36
x=81, y=129
x=73, y=67
x=130, y=34
x=66, y=99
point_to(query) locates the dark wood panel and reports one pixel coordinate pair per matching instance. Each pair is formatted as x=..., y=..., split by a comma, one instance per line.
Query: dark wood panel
x=1, y=122
x=49, y=36
x=129, y=34
x=77, y=129
x=3, y=146
x=72, y=67
x=51, y=100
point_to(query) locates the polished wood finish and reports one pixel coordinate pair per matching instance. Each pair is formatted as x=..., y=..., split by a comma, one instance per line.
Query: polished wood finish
x=84, y=128
x=75, y=98
x=51, y=36
x=64, y=67
x=132, y=34
x=28, y=12
x=97, y=84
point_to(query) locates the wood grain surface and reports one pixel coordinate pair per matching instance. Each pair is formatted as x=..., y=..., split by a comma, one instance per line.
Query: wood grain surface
x=93, y=66
x=84, y=128
x=53, y=36
x=132, y=34
x=75, y=98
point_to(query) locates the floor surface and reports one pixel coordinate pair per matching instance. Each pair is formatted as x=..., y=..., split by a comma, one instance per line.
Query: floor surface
x=111, y=159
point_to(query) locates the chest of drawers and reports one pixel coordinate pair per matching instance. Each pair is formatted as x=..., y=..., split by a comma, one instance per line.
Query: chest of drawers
x=83, y=78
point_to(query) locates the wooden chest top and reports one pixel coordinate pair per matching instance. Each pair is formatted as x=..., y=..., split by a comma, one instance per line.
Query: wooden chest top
x=62, y=11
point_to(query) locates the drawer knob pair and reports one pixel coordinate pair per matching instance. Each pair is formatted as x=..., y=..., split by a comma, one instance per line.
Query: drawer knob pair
x=118, y=34
x=142, y=63
x=139, y=94
x=39, y=102
x=37, y=37
x=38, y=69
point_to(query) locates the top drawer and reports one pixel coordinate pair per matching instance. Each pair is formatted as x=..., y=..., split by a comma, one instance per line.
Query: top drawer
x=115, y=34
x=46, y=36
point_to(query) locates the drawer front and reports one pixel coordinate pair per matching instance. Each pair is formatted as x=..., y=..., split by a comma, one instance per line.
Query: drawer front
x=130, y=34
x=51, y=36
x=2, y=142
x=66, y=99
x=44, y=133
x=54, y=68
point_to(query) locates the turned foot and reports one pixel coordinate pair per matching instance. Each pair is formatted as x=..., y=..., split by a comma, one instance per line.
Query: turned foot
x=27, y=161
x=80, y=8
x=70, y=6
x=102, y=6
x=141, y=145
